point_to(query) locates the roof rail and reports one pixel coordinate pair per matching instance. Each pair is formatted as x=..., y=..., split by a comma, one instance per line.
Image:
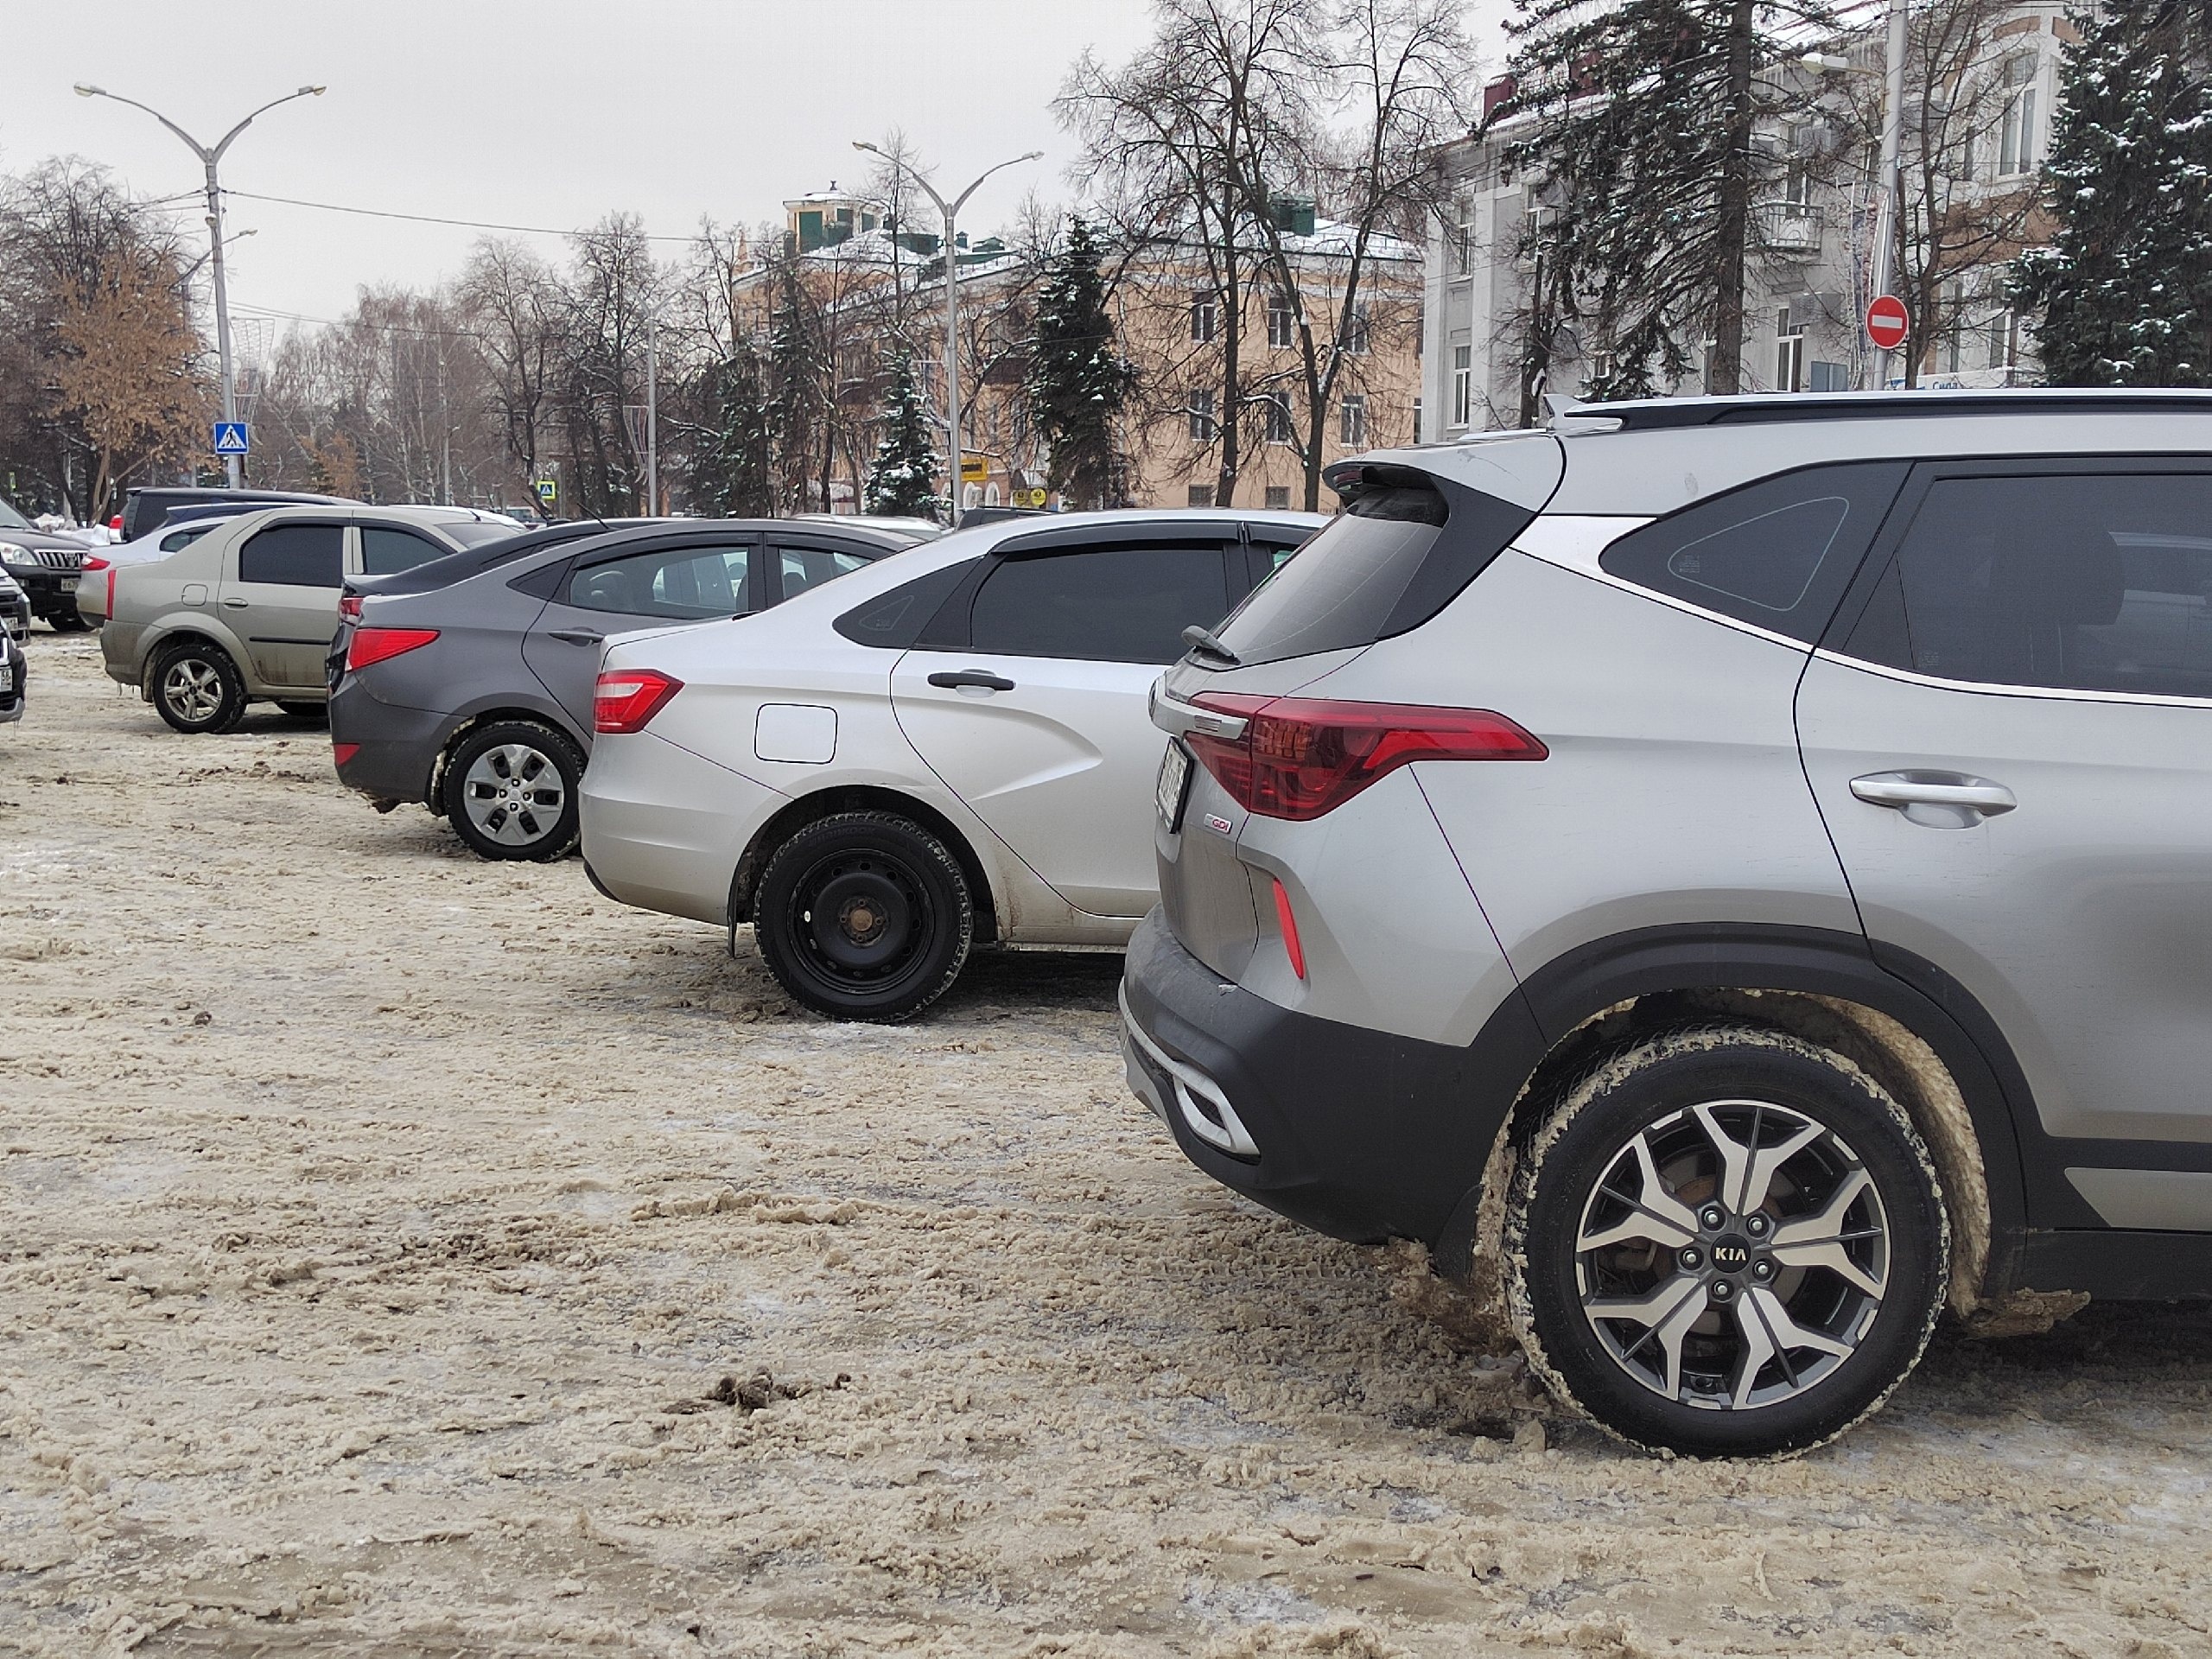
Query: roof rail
x=1659, y=414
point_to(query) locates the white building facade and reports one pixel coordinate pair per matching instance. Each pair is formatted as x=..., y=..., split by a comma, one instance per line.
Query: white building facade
x=1810, y=280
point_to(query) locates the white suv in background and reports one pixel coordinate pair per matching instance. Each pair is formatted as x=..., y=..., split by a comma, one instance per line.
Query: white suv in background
x=949, y=747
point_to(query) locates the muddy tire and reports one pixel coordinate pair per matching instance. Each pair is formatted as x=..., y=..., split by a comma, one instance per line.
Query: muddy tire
x=1724, y=1240
x=197, y=688
x=864, y=916
x=509, y=790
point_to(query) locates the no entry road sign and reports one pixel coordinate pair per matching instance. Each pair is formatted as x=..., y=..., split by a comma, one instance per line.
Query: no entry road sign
x=1886, y=322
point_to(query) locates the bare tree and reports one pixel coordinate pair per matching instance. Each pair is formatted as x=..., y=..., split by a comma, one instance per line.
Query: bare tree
x=512, y=298
x=1170, y=143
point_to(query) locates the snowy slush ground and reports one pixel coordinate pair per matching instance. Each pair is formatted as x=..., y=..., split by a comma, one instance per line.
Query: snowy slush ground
x=405, y=1254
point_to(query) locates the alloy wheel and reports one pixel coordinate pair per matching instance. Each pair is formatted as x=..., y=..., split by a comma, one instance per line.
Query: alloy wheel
x=194, y=689
x=1733, y=1254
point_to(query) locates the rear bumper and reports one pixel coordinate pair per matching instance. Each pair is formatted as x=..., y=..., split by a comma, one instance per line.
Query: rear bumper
x=663, y=828
x=397, y=748
x=13, y=699
x=1359, y=1133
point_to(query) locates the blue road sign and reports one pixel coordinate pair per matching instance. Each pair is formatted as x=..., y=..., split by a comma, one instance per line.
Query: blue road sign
x=230, y=437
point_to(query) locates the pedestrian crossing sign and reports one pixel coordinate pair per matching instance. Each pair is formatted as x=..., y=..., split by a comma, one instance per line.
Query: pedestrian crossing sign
x=230, y=437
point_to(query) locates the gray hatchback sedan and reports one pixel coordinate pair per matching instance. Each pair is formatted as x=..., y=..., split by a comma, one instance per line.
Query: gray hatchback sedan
x=474, y=698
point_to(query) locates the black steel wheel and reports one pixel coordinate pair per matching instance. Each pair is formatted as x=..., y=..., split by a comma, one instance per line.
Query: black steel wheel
x=1725, y=1240
x=864, y=916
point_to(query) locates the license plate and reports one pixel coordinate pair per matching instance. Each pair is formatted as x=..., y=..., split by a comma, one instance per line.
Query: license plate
x=1175, y=783
x=69, y=584
x=7, y=677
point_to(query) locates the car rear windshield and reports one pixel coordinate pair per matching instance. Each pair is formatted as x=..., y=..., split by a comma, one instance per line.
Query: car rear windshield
x=476, y=532
x=1396, y=557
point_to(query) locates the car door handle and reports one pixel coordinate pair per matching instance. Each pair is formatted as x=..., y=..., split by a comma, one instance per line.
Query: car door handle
x=1956, y=789
x=236, y=604
x=577, y=636
x=977, y=676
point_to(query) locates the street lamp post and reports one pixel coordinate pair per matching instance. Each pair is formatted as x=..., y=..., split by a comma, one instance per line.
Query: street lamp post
x=1889, y=216
x=951, y=211
x=210, y=156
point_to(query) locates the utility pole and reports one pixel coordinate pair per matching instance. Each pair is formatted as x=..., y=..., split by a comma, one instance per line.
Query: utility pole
x=211, y=156
x=951, y=211
x=652, y=424
x=1890, y=219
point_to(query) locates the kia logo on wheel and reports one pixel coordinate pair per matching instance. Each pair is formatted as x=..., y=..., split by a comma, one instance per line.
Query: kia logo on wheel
x=1730, y=1255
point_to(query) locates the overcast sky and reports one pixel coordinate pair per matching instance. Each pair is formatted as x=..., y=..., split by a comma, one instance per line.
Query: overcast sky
x=542, y=112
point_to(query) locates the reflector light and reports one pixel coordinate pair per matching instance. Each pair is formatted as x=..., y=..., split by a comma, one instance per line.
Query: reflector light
x=627, y=699
x=373, y=645
x=1301, y=757
x=1289, y=921
x=341, y=753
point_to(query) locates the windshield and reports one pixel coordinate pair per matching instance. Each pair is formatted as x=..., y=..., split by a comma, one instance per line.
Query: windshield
x=10, y=519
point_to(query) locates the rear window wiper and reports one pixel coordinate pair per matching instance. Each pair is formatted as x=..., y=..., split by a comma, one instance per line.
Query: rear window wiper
x=1207, y=643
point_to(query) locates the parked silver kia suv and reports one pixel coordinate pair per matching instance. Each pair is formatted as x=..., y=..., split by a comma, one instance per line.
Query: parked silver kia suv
x=1734, y=872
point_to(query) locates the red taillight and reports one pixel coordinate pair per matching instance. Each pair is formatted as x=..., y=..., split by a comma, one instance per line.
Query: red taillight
x=1300, y=757
x=341, y=753
x=627, y=698
x=112, y=570
x=116, y=523
x=93, y=562
x=349, y=607
x=373, y=646
x=1289, y=923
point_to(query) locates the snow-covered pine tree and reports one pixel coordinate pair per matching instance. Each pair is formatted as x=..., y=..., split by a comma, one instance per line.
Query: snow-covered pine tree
x=1645, y=173
x=902, y=478
x=732, y=473
x=2123, y=292
x=792, y=384
x=1079, y=383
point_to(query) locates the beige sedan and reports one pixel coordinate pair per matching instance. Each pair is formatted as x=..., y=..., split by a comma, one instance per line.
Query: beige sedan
x=246, y=611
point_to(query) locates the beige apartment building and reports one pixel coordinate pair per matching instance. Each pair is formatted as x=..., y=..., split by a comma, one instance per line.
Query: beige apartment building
x=872, y=289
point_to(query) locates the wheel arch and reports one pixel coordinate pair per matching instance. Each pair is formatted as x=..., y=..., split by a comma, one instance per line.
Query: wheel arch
x=1938, y=1053
x=862, y=798
x=160, y=640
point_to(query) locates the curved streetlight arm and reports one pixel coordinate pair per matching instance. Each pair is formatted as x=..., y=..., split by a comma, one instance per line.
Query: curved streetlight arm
x=198, y=149
x=304, y=92
x=961, y=201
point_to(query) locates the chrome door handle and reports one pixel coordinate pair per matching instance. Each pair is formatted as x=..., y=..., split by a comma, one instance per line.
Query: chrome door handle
x=577, y=636
x=1952, y=789
x=982, y=676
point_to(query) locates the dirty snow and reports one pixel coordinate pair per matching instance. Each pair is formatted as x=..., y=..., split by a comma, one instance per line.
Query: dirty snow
x=405, y=1255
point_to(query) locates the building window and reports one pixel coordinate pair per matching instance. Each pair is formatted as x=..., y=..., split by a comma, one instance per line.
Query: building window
x=1829, y=377
x=1283, y=330
x=1351, y=423
x=1201, y=495
x=2016, y=136
x=1200, y=405
x=1278, y=417
x=1416, y=420
x=1279, y=498
x=1203, y=317
x=1788, y=355
x=1463, y=384
x=1356, y=332
x=1463, y=241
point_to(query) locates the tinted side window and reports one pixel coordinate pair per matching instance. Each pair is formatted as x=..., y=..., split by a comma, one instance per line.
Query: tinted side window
x=809, y=567
x=2091, y=581
x=1116, y=605
x=303, y=555
x=181, y=538
x=386, y=551
x=1777, y=554
x=687, y=583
